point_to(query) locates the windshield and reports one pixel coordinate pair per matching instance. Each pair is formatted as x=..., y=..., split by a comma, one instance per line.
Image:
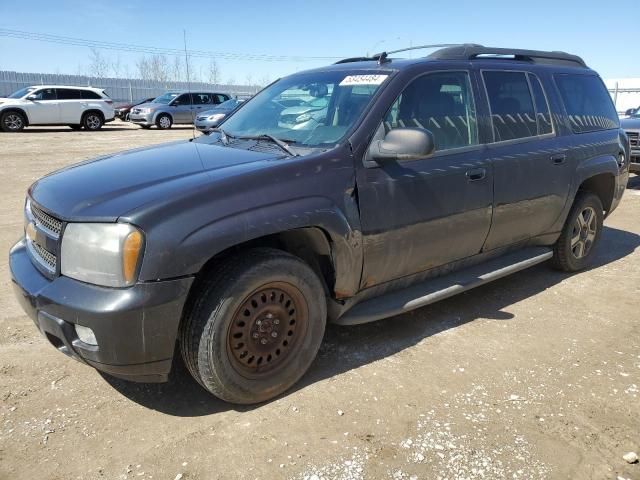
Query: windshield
x=337, y=99
x=22, y=92
x=166, y=98
x=635, y=113
x=229, y=103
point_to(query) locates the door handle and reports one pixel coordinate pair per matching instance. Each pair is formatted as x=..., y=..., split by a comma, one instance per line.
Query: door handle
x=476, y=174
x=558, y=159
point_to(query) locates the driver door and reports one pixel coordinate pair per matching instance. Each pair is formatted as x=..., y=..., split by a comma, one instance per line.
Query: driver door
x=182, y=111
x=420, y=214
x=44, y=109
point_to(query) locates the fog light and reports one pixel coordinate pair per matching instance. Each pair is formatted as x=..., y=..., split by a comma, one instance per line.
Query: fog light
x=86, y=335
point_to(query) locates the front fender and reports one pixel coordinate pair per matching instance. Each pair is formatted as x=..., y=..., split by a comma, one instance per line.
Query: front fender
x=199, y=245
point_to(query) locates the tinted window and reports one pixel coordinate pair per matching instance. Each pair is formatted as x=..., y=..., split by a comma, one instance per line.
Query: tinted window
x=441, y=103
x=182, y=100
x=201, y=98
x=45, y=94
x=512, y=112
x=67, y=94
x=587, y=102
x=542, y=106
x=89, y=95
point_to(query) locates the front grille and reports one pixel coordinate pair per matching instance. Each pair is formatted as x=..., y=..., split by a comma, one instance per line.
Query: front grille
x=46, y=257
x=634, y=139
x=46, y=221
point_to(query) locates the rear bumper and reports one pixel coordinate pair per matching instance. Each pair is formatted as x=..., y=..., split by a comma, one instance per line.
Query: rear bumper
x=136, y=328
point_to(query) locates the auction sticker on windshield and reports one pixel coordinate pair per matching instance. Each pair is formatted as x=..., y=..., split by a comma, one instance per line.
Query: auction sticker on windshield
x=363, y=80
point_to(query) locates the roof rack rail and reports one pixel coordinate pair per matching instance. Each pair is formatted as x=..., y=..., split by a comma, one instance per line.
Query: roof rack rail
x=472, y=52
x=382, y=57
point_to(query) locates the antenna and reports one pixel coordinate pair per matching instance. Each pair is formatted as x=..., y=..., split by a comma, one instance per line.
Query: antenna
x=186, y=61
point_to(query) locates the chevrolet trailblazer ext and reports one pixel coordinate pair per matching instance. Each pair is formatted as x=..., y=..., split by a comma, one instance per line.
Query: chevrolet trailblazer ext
x=426, y=177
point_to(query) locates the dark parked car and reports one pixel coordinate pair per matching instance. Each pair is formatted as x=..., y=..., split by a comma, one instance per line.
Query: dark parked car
x=207, y=121
x=425, y=178
x=122, y=112
x=631, y=125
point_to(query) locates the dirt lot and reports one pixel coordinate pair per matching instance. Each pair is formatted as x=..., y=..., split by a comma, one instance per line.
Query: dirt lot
x=533, y=376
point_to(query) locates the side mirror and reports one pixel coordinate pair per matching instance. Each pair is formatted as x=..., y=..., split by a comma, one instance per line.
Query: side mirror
x=32, y=98
x=403, y=144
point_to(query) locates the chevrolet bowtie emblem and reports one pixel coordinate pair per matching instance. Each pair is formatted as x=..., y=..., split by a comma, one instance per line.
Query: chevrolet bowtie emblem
x=30, y=231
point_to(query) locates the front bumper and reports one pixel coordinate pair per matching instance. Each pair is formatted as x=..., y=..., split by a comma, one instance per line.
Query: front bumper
x=136, y=328
x=141, y=119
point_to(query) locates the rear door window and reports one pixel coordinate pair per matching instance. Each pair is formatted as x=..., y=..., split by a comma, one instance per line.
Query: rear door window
x=543, y=116
x=587, y=102
x=68, y=94
x=513, y=115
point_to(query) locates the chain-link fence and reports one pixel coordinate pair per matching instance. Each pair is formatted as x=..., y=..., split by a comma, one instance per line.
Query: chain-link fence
x=119, y=89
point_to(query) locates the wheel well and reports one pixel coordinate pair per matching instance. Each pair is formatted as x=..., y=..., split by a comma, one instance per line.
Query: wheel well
x=603, y=185
x=20, y=111
x=167, y=114
x=310, y=244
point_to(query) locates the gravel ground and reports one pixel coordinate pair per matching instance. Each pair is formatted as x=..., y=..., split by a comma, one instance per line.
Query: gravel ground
x=534, y=376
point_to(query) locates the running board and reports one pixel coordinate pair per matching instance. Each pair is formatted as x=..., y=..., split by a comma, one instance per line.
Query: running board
x=439, y=288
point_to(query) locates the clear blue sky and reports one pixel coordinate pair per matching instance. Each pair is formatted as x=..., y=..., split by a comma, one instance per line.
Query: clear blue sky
x=604, y=33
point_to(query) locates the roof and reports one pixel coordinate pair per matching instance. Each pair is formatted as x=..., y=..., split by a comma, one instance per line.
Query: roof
x=97, y=89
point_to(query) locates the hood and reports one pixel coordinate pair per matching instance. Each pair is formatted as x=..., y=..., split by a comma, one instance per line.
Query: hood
x=631, y=123
x=213, y=111
x=108, y=187
x=150, y=105
x=12, y=100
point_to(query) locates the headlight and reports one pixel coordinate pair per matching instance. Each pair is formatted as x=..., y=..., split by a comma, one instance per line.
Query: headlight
x=144, y=111
x=216, y=117
x=303, y=118
x=107, y=254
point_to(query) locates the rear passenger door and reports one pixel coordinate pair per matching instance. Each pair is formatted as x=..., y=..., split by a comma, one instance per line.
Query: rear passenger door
x=532, y=176
x=420, y=214
x=70, y=103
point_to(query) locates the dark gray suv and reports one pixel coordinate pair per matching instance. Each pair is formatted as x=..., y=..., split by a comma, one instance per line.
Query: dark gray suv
x=175, y=108
x=424, y=178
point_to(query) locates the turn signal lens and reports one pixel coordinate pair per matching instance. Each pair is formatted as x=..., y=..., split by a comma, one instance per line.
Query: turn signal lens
x=131, y=249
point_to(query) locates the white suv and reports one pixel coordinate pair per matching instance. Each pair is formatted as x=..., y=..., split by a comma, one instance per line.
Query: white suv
x=76, y=107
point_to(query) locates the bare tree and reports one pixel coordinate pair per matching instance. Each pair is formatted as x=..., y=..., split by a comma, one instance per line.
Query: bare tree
x=98, y=64
x=214, y=72
x=264, y=80
x=116, y=67
x=154, y=67
x=177, y=69
x=248, y=80
x=231, y=80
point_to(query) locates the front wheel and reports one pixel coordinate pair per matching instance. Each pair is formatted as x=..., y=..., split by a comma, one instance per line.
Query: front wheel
x=254, y=326
x=164, y=121
x=12, y=122
x=580, y=235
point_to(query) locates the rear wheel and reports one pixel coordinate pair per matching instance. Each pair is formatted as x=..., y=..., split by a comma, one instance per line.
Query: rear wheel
x=92, y=121
x=254, y=326
x=580, y=235
x=164, y=121
x=12, y=122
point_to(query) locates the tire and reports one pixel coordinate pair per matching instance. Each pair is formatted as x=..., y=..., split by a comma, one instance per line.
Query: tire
x=12, y=121
x=75, y=127
x=126, y=118
x=92, y=121
x=580, y=235
x=164, y=121
x=254, y=326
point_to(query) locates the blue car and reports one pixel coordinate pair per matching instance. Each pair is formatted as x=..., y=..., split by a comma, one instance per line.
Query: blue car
x=207, y=121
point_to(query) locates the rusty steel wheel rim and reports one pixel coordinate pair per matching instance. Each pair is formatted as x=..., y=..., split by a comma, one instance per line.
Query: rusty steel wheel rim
x=267, y=329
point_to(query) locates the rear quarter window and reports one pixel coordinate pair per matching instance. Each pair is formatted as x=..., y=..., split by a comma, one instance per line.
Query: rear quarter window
x=89, y=95
x=587, y=102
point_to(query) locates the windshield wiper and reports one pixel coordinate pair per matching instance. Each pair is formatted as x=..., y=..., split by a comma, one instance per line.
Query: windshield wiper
x=266, y=136
x=224, y=137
